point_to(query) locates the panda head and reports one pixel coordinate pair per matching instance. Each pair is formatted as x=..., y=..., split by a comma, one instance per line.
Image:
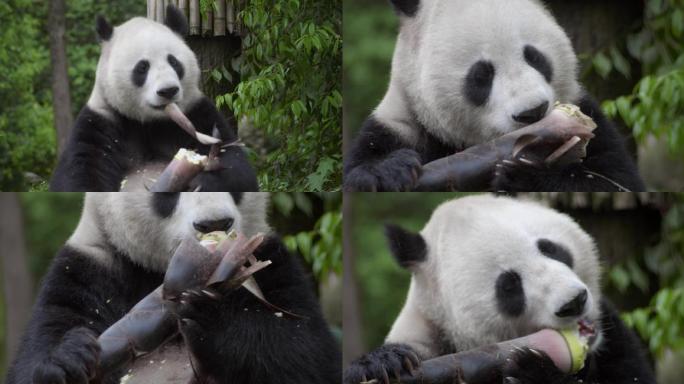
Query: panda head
x=145, y=65
x=487, y=269
x=147, y=227
x=474, y=70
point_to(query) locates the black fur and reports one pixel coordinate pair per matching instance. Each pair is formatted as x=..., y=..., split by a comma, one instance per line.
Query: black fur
x=620, y=360
x=379, y=160
x=555, y=251
x=103, y=28
x=538, y=61
x=510, y=294
x=176, y=20
x=249, y=344
x=407, y=247
x=407, y=7
x=100, y=152
x=478, y=82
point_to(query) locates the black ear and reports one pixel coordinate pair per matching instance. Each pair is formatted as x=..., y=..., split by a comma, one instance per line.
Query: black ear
x=407, y=247
x=176, y=20
x=407, y=7
x=103, y=28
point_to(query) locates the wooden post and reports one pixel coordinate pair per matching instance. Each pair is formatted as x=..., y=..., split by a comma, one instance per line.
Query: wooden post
x=207, y=23
x=183, y=5
x=159, y=8
x=230, y=16
x=61, y=101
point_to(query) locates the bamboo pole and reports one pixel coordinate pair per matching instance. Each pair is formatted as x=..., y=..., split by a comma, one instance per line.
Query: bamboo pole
x=194, y=17
x=183, y=5
x=220, y=18
x=207, y=22
x=230, y=16
x=159, y=8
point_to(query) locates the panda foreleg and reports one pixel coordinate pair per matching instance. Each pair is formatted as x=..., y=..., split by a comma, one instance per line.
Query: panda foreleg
x=380, y=161
x=527, y=366
x=388, y=361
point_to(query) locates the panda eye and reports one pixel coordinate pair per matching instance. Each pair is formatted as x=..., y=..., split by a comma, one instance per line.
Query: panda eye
x=176, y=65
x=538, y=61
x=478, y=82
x=142, y=67
x=555, y=251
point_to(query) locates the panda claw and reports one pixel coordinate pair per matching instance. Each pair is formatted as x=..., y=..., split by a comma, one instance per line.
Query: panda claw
x=385, y=377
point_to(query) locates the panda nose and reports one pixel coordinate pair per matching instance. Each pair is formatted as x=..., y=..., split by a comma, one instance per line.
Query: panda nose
x=574, y=307
x=532, y=115
x=168, y=93
x=207, y=226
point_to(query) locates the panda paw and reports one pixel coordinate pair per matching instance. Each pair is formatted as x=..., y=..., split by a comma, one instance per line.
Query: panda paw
x=73, y=361
x=399, y=171
x=530, y=366
x=388, y=361
x=519, y=175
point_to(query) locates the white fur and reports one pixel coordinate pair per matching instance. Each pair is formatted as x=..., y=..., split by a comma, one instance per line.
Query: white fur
x=436, y=48
x=127, y=222
x=471, y=241
x=132, y=41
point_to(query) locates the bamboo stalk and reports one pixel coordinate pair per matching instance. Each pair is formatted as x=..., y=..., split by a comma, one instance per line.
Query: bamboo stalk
x=159, y=11
x=207, y=23
x=220, y=18
x=194, y=17
x=183, y=5
x=230, y=16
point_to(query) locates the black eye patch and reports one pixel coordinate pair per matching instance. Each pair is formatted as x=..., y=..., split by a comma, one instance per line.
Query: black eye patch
x=478, y=82
x=140, y=72
x=510, y=295
x=164, y=203
x=555, y=251
x=538, y=61
x=176, y=65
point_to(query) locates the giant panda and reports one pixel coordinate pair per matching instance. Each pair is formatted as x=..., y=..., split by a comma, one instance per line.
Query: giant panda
x=465, y=72
x=123, y=133
x=487, y=269
x=118, y=254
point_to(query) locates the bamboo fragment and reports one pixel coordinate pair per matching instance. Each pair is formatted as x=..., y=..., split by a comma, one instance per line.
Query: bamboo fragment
x=194, y=17
x=220, y=19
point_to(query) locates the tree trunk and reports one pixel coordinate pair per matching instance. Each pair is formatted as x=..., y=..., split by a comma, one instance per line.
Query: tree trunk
x=351, y=310
x=61, y=99
x=17, y=282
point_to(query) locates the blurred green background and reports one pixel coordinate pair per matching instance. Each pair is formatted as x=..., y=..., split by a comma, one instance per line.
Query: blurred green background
x=640, y=238
x=631, y=55
x=41, y=222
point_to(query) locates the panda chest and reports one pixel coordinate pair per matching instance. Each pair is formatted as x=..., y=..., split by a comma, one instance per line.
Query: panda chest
x=141, y=176
x=170, y=364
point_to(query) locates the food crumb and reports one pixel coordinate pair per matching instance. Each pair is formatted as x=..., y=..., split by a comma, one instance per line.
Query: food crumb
x=279, y=314
x=151, y=361
x=67, y=267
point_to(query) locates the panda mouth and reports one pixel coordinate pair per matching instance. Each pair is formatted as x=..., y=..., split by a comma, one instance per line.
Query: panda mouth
x=158, y=107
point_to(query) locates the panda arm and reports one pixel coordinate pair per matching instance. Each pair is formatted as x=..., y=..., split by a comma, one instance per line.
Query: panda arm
x=249, y=343
x=78, y=300
x=606, y=156
x=236, y=173
x=91, y=160
x=379, y=160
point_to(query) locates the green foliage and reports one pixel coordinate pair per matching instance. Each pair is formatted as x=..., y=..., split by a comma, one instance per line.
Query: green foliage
x=662, y=321
x=321, y=246
x=370, y=32
x=290, y=90
x=656, y=106
x=49, y=219
x=27, y=139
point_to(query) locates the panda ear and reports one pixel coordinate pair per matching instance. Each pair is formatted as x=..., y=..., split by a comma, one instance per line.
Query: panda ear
x=408, y=248
x=103, y=28
x=176, y=20
x=406, y=7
